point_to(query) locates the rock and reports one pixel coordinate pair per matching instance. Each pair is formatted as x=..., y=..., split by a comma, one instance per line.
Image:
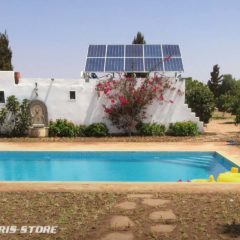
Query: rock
x=165, y=215
x=121, y=223
x=155, y=202
x=118, y=236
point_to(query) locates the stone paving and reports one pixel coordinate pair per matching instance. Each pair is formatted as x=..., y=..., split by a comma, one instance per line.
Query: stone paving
x=155, y=202
x=118, y=236
x=121, y=226
x=121, y=223
x=162, y=215
x=162, y=228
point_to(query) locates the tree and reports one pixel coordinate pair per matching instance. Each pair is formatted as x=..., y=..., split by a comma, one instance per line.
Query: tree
x=237, y=119
x=236, y=103
x=215, y=81
x=15, y=117
x=229, y=85
x=139, y=39
x=200, y=99
x=225, y=103
x=229, y=90
x=5, y=53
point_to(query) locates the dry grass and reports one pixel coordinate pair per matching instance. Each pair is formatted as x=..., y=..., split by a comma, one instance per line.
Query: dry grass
x=86, y=215
x=75, y=214
x=222, y=115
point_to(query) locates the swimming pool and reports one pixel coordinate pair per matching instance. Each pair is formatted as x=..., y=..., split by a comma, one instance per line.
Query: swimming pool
x=110, y=166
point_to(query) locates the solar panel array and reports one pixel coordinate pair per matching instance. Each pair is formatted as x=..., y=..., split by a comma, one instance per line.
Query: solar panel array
x=134, y=58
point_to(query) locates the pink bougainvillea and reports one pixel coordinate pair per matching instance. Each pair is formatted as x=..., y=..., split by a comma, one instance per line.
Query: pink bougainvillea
x=128, y=98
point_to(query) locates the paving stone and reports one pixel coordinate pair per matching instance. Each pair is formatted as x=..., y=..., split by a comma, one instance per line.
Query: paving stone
x=121, y=222
x=139, y=195
x=162, y=228
x=118, y=236
x=165, y=215
x=127, y=205
x=154, y=202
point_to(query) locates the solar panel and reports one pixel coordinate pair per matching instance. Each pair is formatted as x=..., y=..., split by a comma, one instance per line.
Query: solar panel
x=134, y=65
x=96, y=50
x=95, y=65
x=115, y=51
x=173, y=65
x=152, y=51
x=171, y=50
x=134, y=58
x=153, y=64
x=135, y=50
x=114, y=65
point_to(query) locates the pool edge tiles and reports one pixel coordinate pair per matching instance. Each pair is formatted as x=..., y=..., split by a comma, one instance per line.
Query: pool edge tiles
x=143, y=187
x=234, y=159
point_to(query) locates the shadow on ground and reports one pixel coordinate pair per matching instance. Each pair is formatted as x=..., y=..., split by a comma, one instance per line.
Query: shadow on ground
x=231, y=230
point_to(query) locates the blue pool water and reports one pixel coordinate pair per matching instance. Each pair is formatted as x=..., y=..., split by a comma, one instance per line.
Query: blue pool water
x=110, y=166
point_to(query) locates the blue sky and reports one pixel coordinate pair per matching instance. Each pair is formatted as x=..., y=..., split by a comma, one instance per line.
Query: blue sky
x=49, y=38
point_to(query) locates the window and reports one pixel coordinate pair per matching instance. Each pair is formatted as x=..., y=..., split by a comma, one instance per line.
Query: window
x=72, y=95
x=2, y=97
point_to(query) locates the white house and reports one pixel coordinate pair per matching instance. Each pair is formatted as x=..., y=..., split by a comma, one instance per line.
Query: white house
x=77, y=100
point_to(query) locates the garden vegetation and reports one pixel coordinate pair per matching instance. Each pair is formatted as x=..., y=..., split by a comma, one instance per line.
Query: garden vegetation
x=15, y=117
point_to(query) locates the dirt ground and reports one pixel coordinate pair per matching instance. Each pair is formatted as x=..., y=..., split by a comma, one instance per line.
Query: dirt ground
x=86, y=216
x=222, y=126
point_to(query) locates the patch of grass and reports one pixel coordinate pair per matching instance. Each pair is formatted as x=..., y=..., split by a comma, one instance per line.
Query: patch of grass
x=221, y=115
x=75, y=214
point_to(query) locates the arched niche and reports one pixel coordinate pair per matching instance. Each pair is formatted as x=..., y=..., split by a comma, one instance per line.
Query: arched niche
x=39, y=113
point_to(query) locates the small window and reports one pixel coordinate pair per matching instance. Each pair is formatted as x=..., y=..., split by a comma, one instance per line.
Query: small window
x=72, y=95
x=2, y=97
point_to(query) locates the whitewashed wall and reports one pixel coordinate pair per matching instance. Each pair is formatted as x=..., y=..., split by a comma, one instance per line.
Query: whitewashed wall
x=87, y=108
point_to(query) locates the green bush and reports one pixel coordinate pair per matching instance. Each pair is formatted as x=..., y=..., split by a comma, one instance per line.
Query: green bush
x=80, y=130
x=96, y=130
x=150, y=129
x=183, y=129
x=200, y=99
x=65, y=128
x=237, y=119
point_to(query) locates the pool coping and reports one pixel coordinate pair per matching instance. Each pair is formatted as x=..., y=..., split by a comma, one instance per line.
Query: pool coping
x=231, y=153
x=117, y=187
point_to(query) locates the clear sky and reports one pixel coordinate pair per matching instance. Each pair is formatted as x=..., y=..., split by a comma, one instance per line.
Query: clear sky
x=49, y=38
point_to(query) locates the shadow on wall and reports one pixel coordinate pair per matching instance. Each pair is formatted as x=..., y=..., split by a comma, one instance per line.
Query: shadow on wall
x=94, y=110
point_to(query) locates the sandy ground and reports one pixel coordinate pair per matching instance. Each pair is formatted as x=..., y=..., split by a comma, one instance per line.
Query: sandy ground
x=222, y=126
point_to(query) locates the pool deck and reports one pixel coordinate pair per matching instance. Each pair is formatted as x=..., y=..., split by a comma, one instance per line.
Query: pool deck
x=228, y=151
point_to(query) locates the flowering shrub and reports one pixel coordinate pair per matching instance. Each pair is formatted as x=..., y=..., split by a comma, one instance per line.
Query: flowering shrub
x=127, y=99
